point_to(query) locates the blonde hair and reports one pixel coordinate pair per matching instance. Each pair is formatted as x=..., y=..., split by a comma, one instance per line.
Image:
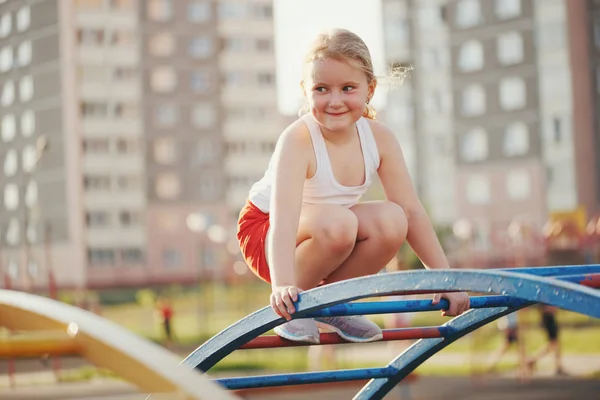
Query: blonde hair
x=344, y=45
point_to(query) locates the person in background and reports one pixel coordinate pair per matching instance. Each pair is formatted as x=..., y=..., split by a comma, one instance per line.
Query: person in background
x=550, y=325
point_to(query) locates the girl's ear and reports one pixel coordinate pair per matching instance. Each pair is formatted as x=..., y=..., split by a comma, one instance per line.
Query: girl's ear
x=372, y=87
x=303, y=88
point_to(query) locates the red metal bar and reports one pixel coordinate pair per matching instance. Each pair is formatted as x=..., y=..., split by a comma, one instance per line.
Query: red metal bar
x=273, y=341
x=591, y=280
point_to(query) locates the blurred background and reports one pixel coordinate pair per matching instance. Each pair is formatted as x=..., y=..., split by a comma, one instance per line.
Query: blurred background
x=132, y=130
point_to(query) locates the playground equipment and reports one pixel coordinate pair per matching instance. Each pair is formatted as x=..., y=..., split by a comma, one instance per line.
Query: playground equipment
x=569, y=288
x=155, y=370
x=56, y=328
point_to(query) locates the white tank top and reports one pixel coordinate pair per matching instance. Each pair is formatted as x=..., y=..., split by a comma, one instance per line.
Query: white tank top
x=323, y=188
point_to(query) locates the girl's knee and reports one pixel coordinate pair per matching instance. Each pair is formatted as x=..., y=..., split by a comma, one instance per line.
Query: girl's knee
x=392, y=225
x=337, y=232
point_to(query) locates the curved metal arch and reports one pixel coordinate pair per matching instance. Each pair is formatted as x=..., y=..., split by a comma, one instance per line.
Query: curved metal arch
x=566, y=295
x=423, y=349
x=147, y=365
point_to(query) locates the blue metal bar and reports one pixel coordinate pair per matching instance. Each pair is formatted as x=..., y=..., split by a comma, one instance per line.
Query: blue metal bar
x=401, y=306
x=422, y=350
x=252, y=382
x=556, y=270
x=562, y=294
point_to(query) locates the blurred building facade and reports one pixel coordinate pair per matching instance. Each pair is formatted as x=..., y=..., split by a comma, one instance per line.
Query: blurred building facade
x=515, y=81
x=151, y=111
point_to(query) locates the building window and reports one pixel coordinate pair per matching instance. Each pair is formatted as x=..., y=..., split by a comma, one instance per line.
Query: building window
x=11, y=164
x=232, y=10
x=125, y=110
x=209, y=187
x=24, y=53
x=29, y=158
x=206, y=152
x=5, y=25
x=161, y=44
x=201, y=47
x=478, y=189
x=473, y=100
x=26, y=88
x=474, y=146
x=470, y=56
x=129, y=218
x=163, y=79
x=518, y=185
x=91, y=37
x=31, y=194
x=263, y=11
x=265, y=45
x=165, y=150
x=6, y=58
x=121, y=37
x=199, y=11
x=129, y=182
x=166, y=115
x=429, y=16
x=235, y=44
x=516, y=139
x=512, y=93
x=97, y=219
x=96, y=182
x=556, y=130
x=27, y=123
x=204, y=115
x=11, y=196
x=95, y=146
x=510, y=48
x=94, y=109
x=23, y=18
x=159, y=10
x=234, y=78
x=101, y=257
x=266, y=78
x=506, y=9
x=132, y=256
x=8, y=127
x=8, y=93
x=201, y=81
x=127, y=146
x=167, y=186
x=172, y=258
x=468, y=13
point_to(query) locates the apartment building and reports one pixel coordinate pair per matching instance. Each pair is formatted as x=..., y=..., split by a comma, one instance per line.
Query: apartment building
x=522, y=113
x=131, y=132
x=420, y=111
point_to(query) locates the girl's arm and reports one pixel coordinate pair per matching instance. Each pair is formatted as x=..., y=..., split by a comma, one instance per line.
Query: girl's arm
x=291, y=160
x=421, y=235
x=399, y=189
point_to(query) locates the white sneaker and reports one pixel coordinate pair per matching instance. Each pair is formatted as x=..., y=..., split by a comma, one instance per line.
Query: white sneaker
x=355, y=328
x=299, y=330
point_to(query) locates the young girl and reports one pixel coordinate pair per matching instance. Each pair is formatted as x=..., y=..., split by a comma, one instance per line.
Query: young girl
x=303, y=224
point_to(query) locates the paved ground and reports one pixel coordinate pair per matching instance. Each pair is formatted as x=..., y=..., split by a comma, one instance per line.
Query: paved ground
x=425, y=388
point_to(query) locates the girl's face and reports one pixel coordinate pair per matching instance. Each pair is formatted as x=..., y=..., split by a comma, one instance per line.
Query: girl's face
x=337, y=93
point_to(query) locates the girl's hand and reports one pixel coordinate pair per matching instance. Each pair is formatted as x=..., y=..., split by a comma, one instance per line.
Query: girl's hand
x=282, y=300
x=459, y=303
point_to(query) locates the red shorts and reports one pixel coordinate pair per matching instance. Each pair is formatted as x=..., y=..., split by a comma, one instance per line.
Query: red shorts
x=253, y=225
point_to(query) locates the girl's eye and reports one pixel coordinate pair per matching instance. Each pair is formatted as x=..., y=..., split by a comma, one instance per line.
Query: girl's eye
x=320, y=89
x=348, y=88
